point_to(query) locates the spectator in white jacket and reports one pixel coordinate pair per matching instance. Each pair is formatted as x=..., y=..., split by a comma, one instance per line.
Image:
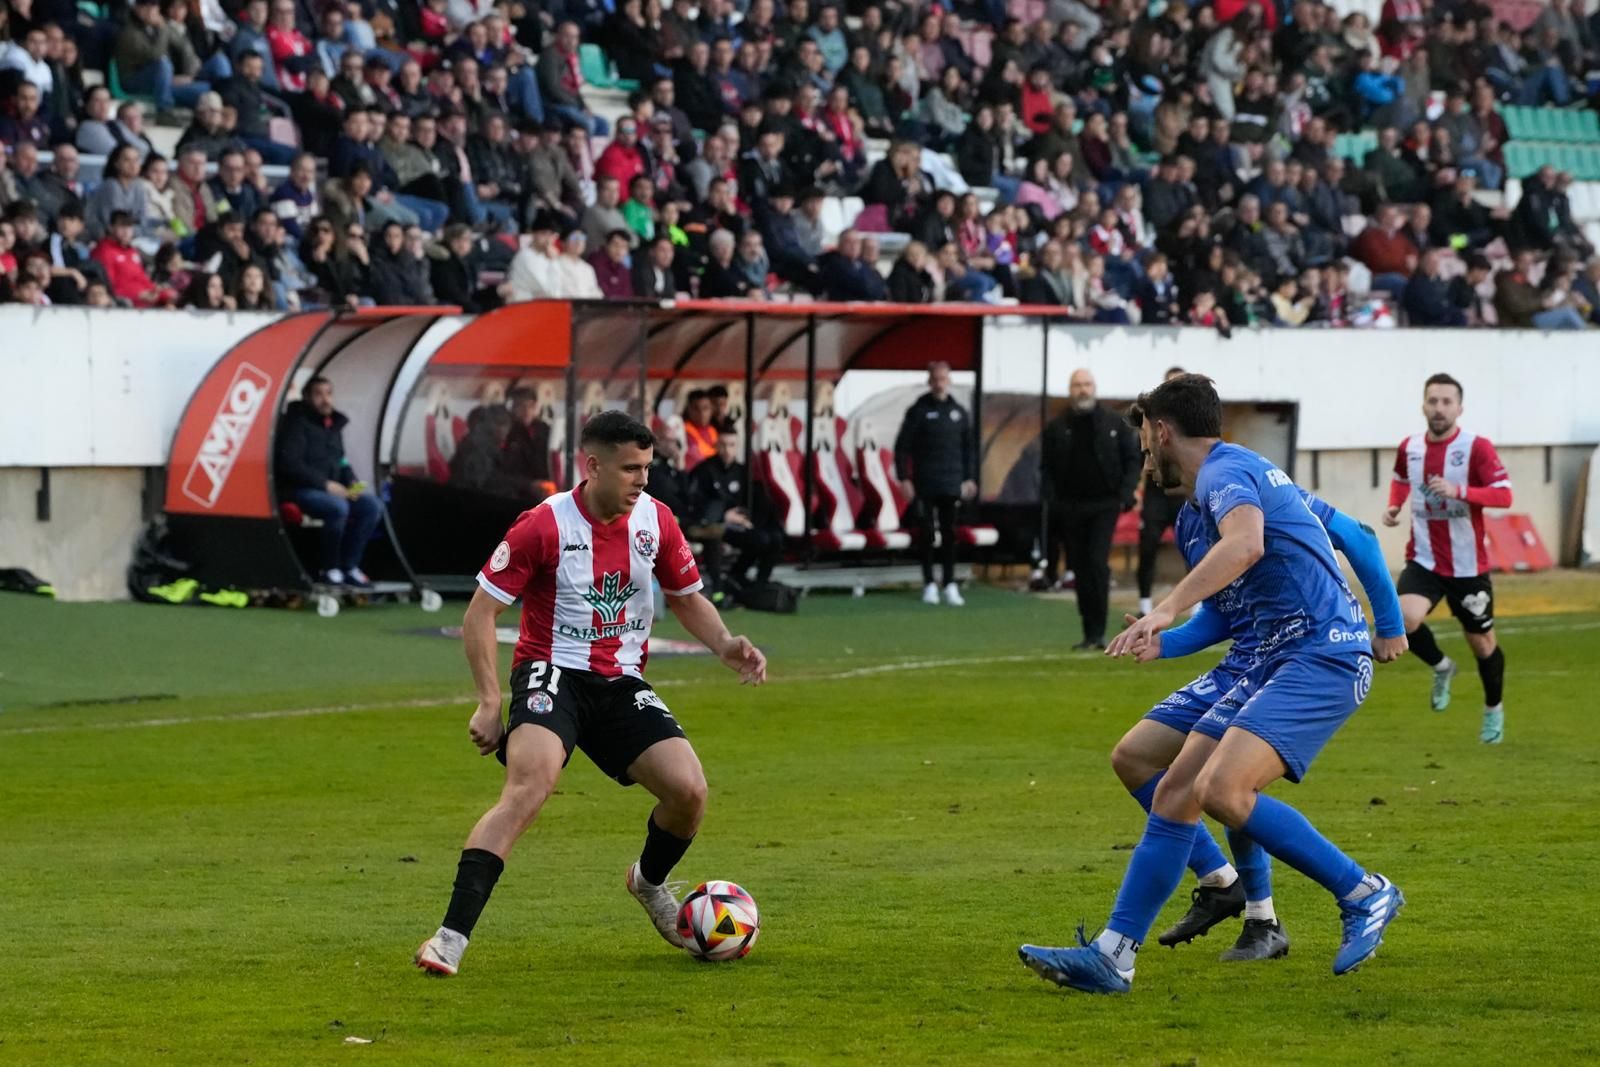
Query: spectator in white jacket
x=536, y=273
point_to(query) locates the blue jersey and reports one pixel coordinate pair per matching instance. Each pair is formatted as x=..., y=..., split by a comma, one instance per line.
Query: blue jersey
x=1295, y=595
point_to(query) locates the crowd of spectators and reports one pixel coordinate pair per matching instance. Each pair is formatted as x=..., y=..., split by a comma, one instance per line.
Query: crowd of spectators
x=1160, y=163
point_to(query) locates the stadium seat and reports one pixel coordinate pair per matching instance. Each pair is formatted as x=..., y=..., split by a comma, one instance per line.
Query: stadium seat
x=838, y=499
x=598, y=71
x=882, y=502
x=777, y=467
x=114, y=84
x=294, y=517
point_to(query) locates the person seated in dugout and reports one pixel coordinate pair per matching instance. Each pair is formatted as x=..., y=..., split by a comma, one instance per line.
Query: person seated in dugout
x=314, y=473
x=717, y=516
x=525, y=456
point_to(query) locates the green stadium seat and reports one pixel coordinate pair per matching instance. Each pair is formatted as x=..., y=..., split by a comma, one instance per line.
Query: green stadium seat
x=114, y=85
x=598, y=71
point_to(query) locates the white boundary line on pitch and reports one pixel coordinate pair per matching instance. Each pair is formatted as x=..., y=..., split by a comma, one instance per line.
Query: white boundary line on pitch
x=895, y=667
x=443, y=702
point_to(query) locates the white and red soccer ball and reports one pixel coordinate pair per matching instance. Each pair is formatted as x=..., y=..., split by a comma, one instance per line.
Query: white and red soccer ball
x=718, y=921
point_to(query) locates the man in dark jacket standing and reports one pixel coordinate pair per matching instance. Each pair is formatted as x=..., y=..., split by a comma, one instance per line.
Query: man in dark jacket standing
x=311, y=470
x=1090, y=459
x=936, y=460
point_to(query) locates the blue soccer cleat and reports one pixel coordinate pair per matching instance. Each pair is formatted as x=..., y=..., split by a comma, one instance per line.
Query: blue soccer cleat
x=1084, y=968
x=1364, y=922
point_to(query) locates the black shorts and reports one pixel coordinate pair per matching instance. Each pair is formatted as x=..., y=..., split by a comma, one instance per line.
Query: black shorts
x=612, y=719
x=1471, y=599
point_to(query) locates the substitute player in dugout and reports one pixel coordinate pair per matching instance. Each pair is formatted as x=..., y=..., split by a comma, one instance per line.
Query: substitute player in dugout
x=582, y=563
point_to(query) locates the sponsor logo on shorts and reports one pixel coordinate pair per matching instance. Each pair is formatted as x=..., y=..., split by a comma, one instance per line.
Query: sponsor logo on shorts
x=1363, y=679
x=1477, y=603
x=501, y=558
x=241, y=404
x=541, y=703
x=646, y=698
x=1217, y=718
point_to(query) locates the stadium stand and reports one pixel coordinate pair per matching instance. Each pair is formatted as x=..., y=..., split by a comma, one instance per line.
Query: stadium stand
x=1101, y=124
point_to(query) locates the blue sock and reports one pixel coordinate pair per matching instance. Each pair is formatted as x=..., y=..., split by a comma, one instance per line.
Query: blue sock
x=1205, y=856
x=1286, y=834
x=1153, y=875
x=1255, y=866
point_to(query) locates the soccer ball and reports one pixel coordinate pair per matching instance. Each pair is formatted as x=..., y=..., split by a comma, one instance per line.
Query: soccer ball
x=718, y=921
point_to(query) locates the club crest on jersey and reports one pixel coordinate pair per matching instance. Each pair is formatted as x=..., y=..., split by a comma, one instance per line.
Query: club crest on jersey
x=540, y=703
x=611, y=597
x=501, y=557
x=645, y=542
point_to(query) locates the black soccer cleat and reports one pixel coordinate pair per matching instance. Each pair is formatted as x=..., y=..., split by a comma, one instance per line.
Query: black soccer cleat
x=1210, y=907
x=1261, y=939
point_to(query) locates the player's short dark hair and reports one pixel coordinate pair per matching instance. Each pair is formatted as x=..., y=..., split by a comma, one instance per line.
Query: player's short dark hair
x=613, y=428
x=1444, y=379
x=717, y=392
x=1188, y=402
x=694, y=395
x=312, y=383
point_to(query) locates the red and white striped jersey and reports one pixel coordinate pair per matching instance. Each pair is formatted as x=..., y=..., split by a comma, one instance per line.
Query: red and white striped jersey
x=585, y=586
x=1447, y=533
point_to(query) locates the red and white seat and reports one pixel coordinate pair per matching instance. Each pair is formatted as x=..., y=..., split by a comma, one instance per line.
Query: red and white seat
x=883, y=502
x=777, y=467
x=838, y=499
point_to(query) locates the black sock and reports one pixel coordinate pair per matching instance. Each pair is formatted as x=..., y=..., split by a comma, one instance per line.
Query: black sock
x=662, y=851
x=1424, y=647
x=1492, y=669
x=476, y=875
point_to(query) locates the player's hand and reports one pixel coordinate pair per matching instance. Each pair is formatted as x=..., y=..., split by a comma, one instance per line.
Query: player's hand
x=1140, y=634
x=1150, y=650
x=1391, y=515
x=485, y=726
x=1441, y=486
x=969, y=489
x=742, y=656
x=1389, y=649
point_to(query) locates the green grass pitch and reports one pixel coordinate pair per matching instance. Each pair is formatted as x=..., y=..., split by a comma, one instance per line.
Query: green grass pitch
x=237, y=868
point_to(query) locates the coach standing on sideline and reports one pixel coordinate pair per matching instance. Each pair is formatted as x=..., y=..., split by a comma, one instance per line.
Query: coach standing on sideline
x=936, y=460
x=1091, y=461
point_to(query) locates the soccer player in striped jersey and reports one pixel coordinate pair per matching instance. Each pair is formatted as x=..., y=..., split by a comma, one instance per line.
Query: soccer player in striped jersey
x=582, y=562
x=1451, y=475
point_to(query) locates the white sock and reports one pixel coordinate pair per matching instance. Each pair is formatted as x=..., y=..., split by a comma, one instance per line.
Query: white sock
x=1119, y=948
x=1368, y=885
x=1444, y=665
x=1260, y=909
x=1220, y=878
x=1497, y=707
x=1145, y=606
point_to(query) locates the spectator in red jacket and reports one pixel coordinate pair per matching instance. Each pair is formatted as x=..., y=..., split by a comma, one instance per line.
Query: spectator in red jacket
x=611, y=268
x=292, y=54
x=124, y=269
x=622, y=158
x=1387, y=251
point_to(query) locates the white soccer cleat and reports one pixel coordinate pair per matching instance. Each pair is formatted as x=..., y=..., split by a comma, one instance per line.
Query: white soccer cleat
x=930, y=593
x=660, y=902
x=441, y=954
x=952, y=595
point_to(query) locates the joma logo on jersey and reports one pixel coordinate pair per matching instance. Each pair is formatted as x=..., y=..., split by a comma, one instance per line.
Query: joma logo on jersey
x=241, y=404
x=611, y=597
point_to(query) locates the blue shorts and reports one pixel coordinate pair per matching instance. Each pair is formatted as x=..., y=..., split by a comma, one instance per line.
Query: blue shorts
x=1299, y=701
x=1184, y=708
x=1215, y=722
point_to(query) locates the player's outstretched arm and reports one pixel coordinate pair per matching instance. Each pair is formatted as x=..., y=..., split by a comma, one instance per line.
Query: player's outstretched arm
x=1243, y=541
x=482, y=649
x=701, y=618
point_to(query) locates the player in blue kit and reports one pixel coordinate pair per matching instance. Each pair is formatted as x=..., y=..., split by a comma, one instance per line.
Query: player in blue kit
x=1272, y=562
x=1148, y=749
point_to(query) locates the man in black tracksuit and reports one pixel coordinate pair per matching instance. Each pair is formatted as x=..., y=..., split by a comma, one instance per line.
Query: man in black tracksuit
x=1090, y=461
x=310, y=468
x=936, y=461
x=716, y=515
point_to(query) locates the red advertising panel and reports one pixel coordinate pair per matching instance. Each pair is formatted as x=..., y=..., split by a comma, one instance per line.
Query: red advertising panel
x=221, y=455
